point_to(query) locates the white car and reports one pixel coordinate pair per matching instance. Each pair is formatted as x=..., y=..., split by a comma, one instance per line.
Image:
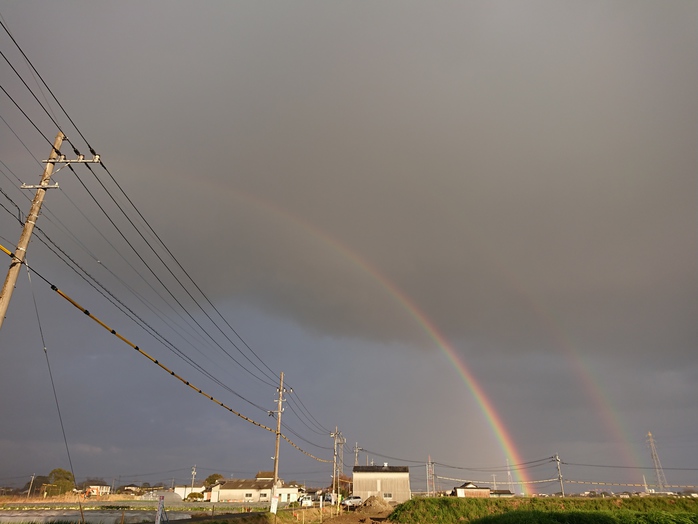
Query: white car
x=305, y=501
x=352, y=501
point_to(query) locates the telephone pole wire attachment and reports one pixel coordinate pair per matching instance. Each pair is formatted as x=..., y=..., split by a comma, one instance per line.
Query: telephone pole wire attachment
x=21, y=251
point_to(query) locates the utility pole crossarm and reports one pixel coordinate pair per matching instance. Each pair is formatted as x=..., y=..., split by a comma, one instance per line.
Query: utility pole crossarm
x=79, y=160
x=21, y=251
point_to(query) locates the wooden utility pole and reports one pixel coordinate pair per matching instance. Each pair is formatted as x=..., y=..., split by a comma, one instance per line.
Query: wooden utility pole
x=278, y=434
x=338, y=470
x=559, y=475
x=335, y=436
x=31, y=483
x=29, y=223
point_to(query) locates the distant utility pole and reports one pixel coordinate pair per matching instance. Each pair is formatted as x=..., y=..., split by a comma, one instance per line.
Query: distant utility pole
x=278, y=412
x=658, y=471
x=342, y=442
x=356, y=453
x=494, y=481
x=338, y=439
x=21, y=250
x=31, y=483
x=559, y=475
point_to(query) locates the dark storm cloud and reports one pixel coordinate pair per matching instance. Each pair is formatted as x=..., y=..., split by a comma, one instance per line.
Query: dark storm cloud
x=552, y=170
x=523, y=173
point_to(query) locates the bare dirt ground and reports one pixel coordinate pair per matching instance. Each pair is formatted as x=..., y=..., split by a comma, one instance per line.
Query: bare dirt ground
x=354, y=517
x=372, y=510
x=346, y=517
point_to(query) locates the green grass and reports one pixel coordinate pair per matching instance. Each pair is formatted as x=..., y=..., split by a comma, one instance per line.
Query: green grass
x=589, y=517
x=638, y=510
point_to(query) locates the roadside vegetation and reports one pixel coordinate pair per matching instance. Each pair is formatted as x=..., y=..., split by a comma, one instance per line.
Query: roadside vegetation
x=640, y=510
x=444, y=510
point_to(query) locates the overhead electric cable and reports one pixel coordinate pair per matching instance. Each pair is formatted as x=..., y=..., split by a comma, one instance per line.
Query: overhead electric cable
x=31, y=65
x=30, y=89
x=296, y=397
x=543, y=481
x=95, y=284
x=54, y=120
x=393, y=458
x=275, y=375
x=302, y=419
x=623, y=467
x=176, y=279
x=284, y=425
x=9, y=199
x=512, y=467
x=152, y=272
x=93, y=279
x=137, y=230
x=26, y=115
x=161, y=314
x=53, y=384
x=10, y=171
x=52, y=217
x=176, y=261
x=20, y=141
x=158, y=363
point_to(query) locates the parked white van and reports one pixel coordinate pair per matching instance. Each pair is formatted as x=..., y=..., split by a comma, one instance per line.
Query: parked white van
x=305, y=500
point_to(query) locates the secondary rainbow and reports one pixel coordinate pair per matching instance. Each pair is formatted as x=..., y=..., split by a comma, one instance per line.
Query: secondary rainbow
x=611, y=418
x=500, y=431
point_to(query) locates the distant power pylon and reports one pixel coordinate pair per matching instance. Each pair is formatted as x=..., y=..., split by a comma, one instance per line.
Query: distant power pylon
x=431, y=479
x=658, y=471
x=509, y=479
x=338, y=468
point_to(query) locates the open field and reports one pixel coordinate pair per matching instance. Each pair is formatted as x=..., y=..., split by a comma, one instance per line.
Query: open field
x=549, y=510
x=445, y=510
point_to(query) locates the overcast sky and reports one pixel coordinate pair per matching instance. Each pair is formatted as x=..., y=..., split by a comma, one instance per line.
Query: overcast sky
x=369, y=194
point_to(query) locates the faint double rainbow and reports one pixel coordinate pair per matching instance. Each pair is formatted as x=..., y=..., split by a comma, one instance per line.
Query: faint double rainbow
x=502, y=435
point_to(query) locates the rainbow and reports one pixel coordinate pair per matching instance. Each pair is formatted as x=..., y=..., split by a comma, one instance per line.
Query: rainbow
x=611, y=419
x=503, y=436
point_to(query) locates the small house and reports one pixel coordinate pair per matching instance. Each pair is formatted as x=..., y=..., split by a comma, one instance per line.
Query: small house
x=187, y=489
x=251, y=491
x=471, y=491
x=501, y=494
x=98, y=490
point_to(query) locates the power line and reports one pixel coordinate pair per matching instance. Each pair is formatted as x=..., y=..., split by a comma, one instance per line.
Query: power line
x=503, y=469
x=31, y=65
x=623, y=467
x=134, y=226
x=159, y=280
x=95, y=284
x=162, y=366
x=27, y=86
x=393, y=458
x=20, y=141
x=306, y=410
x=302, y=409
x=25, y=115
